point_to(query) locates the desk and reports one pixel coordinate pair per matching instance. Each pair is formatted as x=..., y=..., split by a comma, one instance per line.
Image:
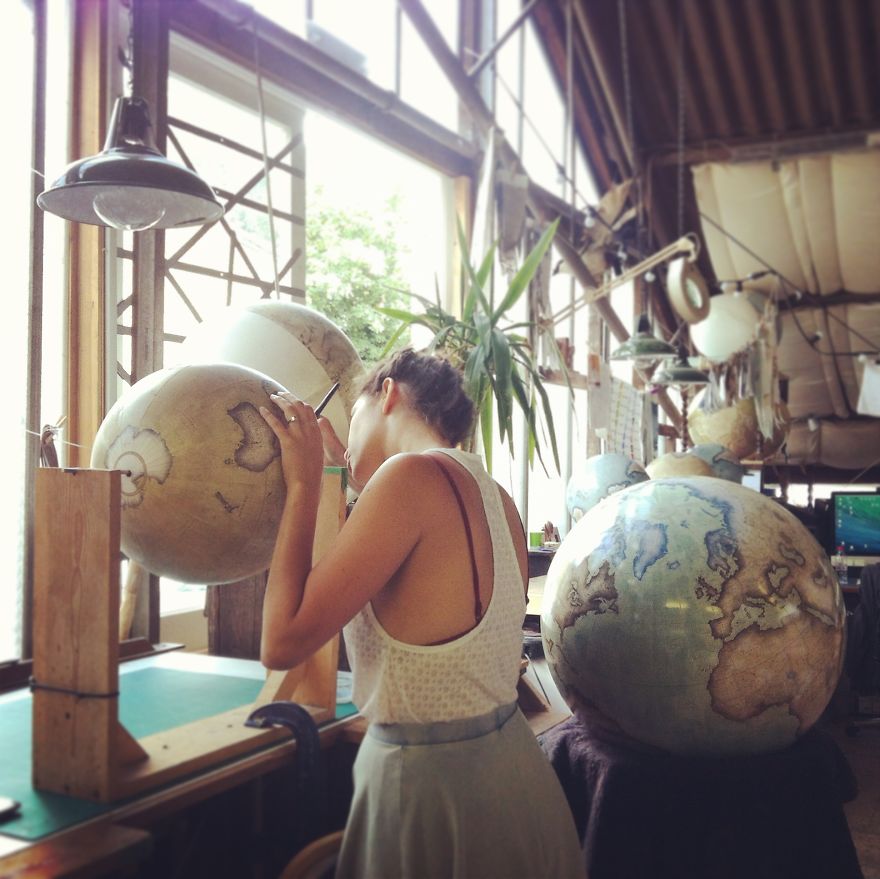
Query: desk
x=59, y=835
x=655, y=815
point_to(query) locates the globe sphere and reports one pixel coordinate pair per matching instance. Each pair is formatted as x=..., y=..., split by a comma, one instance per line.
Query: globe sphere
x=678, y=464
x=696, y=616
x=724, y=464
x=202, y=485
x=295, y=345
x=735, y=426
x=730, y=326
x=600, y=476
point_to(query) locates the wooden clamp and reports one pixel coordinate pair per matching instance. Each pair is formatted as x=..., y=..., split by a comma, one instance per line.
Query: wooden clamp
x=79, y=746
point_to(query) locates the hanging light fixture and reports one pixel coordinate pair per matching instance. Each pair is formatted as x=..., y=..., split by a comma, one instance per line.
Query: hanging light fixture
x=130, y=185
x=643, y=346
x=680, y=373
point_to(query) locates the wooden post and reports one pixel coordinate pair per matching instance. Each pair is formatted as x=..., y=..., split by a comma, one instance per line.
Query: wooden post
x=77, y=739
x=79, y=746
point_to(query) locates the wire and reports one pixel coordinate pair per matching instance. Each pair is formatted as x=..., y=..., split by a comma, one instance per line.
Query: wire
x=266, y=169
x=785, y=282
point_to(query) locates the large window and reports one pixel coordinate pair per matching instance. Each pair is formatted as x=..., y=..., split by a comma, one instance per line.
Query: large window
x=32, y=334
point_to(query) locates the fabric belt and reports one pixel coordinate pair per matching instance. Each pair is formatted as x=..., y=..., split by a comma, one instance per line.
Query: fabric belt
x=442, y=731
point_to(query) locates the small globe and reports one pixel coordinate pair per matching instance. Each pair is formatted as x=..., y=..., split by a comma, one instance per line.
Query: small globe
x=724, y=464
x=734, y=426
x=202, y=486
x=696, y=616
x=678, y=464
x=600, y=476
x=297, y=346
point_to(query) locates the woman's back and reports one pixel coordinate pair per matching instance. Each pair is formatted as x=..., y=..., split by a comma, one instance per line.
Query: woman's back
x=418, y=650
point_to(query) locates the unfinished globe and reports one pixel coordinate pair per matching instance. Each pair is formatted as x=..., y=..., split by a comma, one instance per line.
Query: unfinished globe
x=295, y=345
x=202, y=486
x=696, y=616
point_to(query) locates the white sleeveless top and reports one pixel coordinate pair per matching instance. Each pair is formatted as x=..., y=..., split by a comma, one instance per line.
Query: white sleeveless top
x=395, y=682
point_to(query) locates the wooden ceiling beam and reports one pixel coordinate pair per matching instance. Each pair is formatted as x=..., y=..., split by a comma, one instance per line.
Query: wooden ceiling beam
x=854, y=28
x=600, y=154
x=792, y=53
x=607, y=85
x=818, y=11
x=657, y=29
x=764, y=54
x=699, y=44
x=732, y=60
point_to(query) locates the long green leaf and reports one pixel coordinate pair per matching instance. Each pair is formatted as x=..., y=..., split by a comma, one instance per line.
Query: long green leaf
x=548, y=419
x=526, y=403
x=389, y=345
x=486, y=427
x=503, y=365
x=527, y=271
x=474, y=373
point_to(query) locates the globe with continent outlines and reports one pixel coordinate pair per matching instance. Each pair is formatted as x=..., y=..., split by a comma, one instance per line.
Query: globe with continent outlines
x=694, y=615
x=202, y=485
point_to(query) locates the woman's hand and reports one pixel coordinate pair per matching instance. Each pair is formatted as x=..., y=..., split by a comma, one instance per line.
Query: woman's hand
x=302, y=446
x=334, y=451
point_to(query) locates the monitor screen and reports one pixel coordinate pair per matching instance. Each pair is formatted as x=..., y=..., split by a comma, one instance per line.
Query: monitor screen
x=857, y=522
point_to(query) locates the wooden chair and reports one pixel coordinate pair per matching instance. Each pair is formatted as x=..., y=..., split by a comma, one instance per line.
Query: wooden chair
x=317, y=860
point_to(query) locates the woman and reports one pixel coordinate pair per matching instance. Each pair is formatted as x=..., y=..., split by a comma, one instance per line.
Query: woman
x=428, y=577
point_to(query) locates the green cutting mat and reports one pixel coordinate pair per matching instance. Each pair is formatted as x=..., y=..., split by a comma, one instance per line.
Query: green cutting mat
x=151, y=700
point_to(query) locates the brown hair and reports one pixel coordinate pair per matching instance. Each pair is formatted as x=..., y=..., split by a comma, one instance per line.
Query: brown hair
x=434, y=388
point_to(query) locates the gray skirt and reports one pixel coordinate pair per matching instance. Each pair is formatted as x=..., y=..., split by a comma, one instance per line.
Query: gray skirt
x=469, y=799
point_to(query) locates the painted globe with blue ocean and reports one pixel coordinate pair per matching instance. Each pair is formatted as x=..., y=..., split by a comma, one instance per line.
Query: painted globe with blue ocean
x=724, y=464
x=601, y=476
x=696, y=616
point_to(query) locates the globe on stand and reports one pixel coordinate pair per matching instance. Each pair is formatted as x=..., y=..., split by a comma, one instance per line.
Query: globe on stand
x=202, y=486
x=600, y=476
x=297, y=346
x=696, y=616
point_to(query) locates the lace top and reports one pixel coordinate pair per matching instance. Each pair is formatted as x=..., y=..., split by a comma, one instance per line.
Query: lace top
x=395, y=682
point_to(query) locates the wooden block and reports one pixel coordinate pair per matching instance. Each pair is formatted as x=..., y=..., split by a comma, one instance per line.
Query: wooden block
x=76, y=619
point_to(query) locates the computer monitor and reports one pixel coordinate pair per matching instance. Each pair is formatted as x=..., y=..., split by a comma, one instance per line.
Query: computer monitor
x=856, y=517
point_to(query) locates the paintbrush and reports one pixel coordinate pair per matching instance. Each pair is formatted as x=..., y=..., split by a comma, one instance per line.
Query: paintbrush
x=327, y=397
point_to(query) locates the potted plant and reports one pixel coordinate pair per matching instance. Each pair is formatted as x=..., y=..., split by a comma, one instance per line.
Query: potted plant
x=496, y=357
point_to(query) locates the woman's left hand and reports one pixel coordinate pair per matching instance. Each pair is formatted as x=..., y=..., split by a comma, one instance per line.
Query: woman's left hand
x=302, y=446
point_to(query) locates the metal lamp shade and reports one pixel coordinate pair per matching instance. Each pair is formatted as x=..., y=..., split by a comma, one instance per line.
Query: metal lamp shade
x=130, y=185
x=680, y=373
x=643, y=346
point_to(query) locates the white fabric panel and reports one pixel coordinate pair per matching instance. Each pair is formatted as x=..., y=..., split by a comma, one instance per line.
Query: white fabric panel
x=807, y=389
x=716, y=243
x=752, y=209
x=818, y=204
x=790, y=188
x=856, y=179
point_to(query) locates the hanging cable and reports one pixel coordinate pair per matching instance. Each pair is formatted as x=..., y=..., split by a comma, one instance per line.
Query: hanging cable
x=266, y=167
x=792, y=297
x=682, y=120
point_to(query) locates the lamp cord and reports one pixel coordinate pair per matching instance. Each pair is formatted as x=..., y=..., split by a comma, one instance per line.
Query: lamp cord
x=682, y=120
x=266, y=168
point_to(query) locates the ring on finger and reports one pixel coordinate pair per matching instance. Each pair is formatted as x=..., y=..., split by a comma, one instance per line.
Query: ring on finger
x=291, y=419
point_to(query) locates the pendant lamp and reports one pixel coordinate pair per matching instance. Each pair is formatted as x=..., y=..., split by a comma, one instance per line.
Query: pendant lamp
x=643, y=347
x=680, y=373
x=130, y=185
